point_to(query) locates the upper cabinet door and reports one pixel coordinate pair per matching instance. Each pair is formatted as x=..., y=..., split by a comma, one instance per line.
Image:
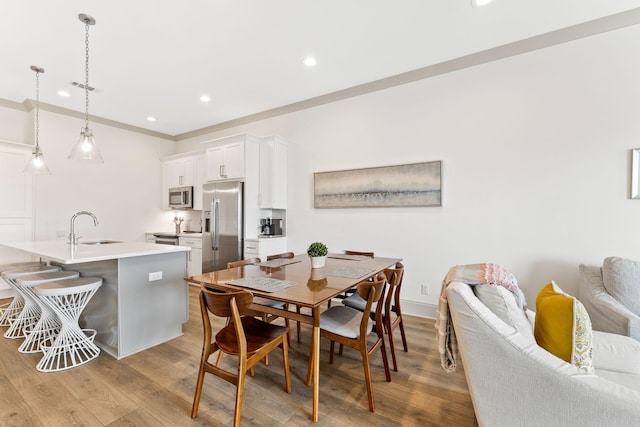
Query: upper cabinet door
x=234, y=161
x=273, y=173
x=225, y=162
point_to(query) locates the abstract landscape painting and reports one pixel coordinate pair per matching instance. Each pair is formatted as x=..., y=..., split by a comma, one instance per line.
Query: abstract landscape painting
x=417, y=184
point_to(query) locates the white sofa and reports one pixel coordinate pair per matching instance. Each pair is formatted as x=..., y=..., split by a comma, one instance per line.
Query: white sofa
x=606, y=313
x=514, y=382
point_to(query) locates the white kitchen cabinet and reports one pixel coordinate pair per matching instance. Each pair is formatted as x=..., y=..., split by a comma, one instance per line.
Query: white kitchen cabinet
x=180, y=170
x=262, y=247
x=194, y=259
x=225, y=162
x=16, y=209
x=273, y=173
x=231, y=157
x=199, y=171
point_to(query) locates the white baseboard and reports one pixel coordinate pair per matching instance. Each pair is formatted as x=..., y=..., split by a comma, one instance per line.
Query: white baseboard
x=419, y=309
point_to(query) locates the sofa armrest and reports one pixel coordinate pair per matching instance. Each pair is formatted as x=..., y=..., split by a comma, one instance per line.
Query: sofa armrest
x=606, y=314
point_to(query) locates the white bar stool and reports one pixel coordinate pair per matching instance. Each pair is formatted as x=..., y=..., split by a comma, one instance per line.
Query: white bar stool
x=30, y=312
x=73, y=346
x=48, y=326
x=11, y=309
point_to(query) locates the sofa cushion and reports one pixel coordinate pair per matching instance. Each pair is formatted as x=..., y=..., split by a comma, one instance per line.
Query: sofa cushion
x=621, y=278
x=504, y=305
x=614, y=352
x=562, y=327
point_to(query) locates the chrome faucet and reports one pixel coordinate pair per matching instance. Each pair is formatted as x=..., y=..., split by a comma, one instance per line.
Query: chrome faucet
x=73, y=240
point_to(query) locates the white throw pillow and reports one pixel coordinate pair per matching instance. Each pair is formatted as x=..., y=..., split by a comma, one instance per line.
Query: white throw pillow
x=503, y=304
x=621, y=278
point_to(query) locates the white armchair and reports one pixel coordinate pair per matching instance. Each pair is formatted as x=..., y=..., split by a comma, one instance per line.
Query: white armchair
x=605, y=312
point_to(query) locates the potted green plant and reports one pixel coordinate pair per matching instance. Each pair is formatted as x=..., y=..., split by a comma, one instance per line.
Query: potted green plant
x=317, y=251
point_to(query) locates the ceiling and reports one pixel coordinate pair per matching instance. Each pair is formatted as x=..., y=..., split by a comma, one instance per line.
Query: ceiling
x=157, y=57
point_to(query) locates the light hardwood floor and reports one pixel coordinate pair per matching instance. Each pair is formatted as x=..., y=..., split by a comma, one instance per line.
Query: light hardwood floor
x=155, y=387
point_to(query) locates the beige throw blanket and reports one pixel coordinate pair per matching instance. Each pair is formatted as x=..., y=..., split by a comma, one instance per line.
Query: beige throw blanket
x=471, y=274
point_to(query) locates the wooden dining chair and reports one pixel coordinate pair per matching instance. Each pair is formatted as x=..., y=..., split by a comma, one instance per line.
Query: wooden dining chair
x=262, y=301
x=350, y=327
x=243, y=262
x=352, y=291
x=246, y=337
x=392, y=313
x=283, y=255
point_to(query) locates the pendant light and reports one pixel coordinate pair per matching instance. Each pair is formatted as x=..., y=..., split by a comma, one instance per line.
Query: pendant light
x=36, y=162
x=85, y=149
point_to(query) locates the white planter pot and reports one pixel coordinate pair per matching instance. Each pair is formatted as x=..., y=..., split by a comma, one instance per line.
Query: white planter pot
x=318, y=261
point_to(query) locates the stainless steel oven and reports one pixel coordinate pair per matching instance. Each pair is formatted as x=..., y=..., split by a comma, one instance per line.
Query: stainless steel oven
x=166, y=239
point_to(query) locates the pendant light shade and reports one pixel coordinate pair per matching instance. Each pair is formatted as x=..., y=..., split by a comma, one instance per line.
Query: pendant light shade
x=36, y=162
x=85, y=148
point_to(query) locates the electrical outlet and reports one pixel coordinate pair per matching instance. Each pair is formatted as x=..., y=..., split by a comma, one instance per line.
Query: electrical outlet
x=156, y=275
x=424, y=289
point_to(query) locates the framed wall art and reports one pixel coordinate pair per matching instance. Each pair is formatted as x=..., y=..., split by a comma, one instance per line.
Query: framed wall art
x=635, y=173
x=416, y=184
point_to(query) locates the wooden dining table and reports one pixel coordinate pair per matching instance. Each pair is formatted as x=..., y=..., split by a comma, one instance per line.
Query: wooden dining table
x=306, y=288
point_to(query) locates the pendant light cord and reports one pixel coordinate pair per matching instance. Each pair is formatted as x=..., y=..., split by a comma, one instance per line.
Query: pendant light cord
x=37, y=111
x=86, y=75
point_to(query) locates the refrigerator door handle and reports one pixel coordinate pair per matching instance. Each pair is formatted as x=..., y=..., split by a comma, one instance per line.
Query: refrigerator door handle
x=215, y=241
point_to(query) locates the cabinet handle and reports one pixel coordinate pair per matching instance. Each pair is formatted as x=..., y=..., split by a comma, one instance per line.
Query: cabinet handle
x=251, y=247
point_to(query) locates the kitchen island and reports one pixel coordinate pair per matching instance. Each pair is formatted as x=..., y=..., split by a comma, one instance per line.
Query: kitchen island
x=143, y=300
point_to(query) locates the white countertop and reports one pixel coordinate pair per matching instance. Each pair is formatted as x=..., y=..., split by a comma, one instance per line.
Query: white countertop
x=60, y=251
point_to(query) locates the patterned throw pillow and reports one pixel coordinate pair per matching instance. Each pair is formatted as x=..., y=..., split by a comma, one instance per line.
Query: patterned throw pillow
x=563, y=328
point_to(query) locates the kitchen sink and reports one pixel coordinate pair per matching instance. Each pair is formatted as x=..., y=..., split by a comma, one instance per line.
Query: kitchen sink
x=100, y=242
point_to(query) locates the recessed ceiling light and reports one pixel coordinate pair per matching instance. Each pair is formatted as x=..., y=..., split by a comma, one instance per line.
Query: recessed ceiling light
x=64, y=93
x=309, y=61
x=205, y=98
x=480, y=3
x=151, y=118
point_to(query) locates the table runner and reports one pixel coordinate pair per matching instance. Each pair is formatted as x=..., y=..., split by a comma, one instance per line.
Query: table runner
x=352, y=272
x=263, y=284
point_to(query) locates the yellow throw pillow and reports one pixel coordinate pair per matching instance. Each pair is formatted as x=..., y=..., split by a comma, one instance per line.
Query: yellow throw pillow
x=563, y=327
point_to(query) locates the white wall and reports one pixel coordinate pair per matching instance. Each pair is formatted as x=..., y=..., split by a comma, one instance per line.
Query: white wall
x=536, y=165
x=124, y=192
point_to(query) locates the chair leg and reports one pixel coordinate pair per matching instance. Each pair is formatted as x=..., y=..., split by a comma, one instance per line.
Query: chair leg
x=285, y=362
x=392, y=346
x=404, y=338
x=340, y=350
x=385, y=361
x=196, y=397
x=298, y=323
x=266, y=356
x=239, y=394
x=367, y=379
x=331, y=348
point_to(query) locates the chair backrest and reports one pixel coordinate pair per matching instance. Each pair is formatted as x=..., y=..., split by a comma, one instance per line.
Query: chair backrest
x=282, y=255
x=372, y=291
x=368, y=254
x=394, y=277
x=220, y=303
x=248, y=261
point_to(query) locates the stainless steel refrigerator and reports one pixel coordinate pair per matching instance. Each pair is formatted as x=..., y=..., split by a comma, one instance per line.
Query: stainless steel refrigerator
x=222, y=224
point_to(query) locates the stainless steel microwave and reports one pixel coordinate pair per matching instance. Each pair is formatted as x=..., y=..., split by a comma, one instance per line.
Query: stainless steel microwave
x=181, y=197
